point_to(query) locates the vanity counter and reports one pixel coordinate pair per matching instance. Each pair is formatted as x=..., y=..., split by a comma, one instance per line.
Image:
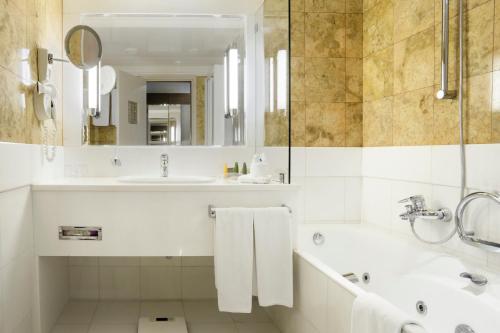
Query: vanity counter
x=106, y=184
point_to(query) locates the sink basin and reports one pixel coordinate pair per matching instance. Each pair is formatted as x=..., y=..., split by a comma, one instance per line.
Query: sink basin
x=166, y=180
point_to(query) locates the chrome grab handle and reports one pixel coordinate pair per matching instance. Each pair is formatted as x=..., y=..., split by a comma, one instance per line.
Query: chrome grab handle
x=444, y=93
x=469, y=236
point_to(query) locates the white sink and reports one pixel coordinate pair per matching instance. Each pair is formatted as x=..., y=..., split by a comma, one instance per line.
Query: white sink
x=166, y=180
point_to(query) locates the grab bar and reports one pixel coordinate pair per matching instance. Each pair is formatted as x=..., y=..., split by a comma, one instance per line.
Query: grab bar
x=469, y=236
x=444, y=93
x=212, y=210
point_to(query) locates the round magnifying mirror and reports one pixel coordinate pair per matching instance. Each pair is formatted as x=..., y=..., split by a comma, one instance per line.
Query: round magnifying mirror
x=108, y=79
x=83, y=47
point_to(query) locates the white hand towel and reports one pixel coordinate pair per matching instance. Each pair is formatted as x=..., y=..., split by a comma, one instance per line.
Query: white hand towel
x=234, y=259
x=274, y=256
x=373, y=314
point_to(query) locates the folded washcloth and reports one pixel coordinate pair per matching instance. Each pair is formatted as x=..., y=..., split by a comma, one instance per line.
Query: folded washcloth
x=248, y=179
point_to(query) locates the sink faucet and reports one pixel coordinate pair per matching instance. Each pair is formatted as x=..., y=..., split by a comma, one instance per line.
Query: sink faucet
x=477, y=279
x=417, y=209
x=164, y=164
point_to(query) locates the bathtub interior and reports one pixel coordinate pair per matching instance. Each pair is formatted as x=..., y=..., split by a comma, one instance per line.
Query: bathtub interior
x=410, y=276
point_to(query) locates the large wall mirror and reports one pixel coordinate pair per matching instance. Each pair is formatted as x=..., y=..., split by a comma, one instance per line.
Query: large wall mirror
x=214, y=78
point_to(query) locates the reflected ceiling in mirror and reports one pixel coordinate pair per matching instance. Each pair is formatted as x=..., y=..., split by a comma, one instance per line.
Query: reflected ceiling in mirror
x=187, y=50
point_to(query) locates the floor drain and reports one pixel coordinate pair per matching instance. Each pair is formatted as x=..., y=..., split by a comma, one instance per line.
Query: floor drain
x=421, y=307
x=366, y=277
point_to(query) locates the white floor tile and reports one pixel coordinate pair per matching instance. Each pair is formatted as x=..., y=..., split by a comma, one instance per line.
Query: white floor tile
x=258, y=315
x=257, y=328
x=204, y=312
x=157, y=309
x=70, y=328
x=117, y=313
x=78, y=312
x=113, y=328
x=212, y=328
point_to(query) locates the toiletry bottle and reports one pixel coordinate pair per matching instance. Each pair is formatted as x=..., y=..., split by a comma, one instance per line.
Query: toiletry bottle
x=236, y=168
x=244, y=169
x=225, y=170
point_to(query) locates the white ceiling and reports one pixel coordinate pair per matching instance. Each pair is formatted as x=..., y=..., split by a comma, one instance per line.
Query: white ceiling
x=143, y=43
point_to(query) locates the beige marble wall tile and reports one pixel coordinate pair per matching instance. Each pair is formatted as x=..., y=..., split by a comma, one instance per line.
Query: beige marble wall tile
x=325, y=6
x=200, y=110
x=297, y=34
x=13, y=113
x=477, y=108
x=354, y=80
x=354, y=125
x=354, y=6
x=276, y=129
x=297, y=90
x=495, y=130
x=298, y=112
x=413, y=117
x=325, y=35
x=378, y=73
x=445, y=129
x=13, y=25
x=411, y=17
x=479, y=39
x=325, y=124
x=325, y=79
x=275, y=5
x=369, y=4
x=25, y=25
x=354, y=35
x=377, y=123
x=496, y=43
x=378, y=27
x=414, y=62
x=297, y=5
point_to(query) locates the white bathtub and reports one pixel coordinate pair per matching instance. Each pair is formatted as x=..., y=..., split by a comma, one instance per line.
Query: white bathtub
x=404, y=273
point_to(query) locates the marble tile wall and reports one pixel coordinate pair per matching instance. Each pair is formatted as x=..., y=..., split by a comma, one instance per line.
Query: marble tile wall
x=327, y=73
x=401, y=73
x=24, y=25
x=200, y=109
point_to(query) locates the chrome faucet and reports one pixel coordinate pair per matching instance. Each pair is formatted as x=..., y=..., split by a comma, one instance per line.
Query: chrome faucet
x=164, y=164
x=477, y=279
x=416, y=208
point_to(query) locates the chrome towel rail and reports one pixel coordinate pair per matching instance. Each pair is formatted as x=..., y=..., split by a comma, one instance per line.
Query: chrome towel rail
x=444, y=93
x=469, y=236
x=212, y=210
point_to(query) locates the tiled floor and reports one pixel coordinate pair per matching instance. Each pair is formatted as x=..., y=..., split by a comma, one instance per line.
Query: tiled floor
x=122, y=316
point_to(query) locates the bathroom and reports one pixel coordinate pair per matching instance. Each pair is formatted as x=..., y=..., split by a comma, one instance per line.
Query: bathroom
x=241, y=166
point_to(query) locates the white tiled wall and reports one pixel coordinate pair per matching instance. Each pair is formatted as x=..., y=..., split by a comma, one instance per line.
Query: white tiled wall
x=141, y=278
x=331, y=179
x=393, y=173
x=20, y=165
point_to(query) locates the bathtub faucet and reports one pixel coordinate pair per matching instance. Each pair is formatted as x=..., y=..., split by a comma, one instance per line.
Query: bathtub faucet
x=416, y=208
x=477, y=279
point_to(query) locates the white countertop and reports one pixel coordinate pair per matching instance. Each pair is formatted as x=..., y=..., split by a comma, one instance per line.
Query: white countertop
x=105, y=184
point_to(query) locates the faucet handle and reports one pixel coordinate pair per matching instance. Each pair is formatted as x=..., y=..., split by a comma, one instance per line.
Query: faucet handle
x=418, y=201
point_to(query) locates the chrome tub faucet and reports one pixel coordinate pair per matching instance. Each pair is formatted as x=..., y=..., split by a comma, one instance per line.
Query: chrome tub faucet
x=416, y=208
x=164, y=164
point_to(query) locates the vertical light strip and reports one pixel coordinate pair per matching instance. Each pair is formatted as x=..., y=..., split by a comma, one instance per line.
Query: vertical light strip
x=271, y=84
x=233, y=79
x=281, y=80
x=226, y=93
x=92, y=87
